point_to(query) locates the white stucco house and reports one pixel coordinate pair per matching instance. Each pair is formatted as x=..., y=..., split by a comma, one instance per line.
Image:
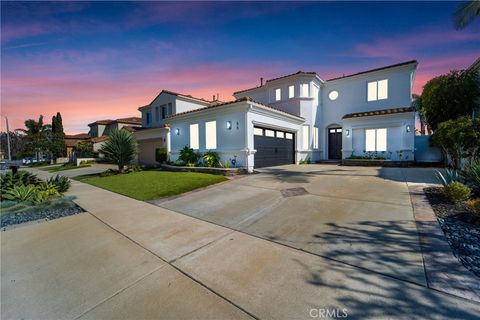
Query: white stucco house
x=289, y=119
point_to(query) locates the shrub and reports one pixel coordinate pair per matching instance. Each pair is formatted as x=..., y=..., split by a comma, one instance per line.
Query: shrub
x=109, y=172
x=22, y=178
x=457, y=191
x=474, y=204
x=188, y=155
x=61, y=183
x=49, y=188
x=161, y=155
x=134, y=168
x=191, y=164
x=226, y=164
x=448, y=177
x=471, y=175
x=21, y=193
x=179, y=163
x=306, y=161
x=211, y=159
x=121, y=148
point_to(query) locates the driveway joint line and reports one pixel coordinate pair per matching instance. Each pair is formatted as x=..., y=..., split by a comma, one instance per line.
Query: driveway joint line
x=329, y=258
x=120, y=291
x=180, y=270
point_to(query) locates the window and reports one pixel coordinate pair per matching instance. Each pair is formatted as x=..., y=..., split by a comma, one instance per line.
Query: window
x=304, y=90
x=170, y=109
x=315, y=137
x=148, y=117
x=164, y=112
x=333, y=95
x=306, y=136
x=289, y=136
x=376, y=139
x=280, y=134
x=377, y=90
x=278, y=94
x=258, y=131
x=269, y=133
x=315, y=95
x=291, y=91
x=157, y=114
x=194, y=136
x=211, y=135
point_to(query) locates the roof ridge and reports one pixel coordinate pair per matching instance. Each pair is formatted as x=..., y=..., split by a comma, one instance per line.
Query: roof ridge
x=375, y=69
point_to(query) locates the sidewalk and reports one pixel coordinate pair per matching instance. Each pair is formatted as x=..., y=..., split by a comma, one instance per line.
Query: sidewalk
x=130, y=259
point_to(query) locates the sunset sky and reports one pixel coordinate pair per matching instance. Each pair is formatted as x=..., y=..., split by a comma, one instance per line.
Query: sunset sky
x=99, y=60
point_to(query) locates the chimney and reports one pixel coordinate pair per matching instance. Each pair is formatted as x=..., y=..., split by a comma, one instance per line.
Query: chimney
x=217, y=96
x=213, y=99
x=261, y=82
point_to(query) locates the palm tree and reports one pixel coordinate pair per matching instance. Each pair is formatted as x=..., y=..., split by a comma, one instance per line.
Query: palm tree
x=37, y=135
x=466, y=13
x=121, y=148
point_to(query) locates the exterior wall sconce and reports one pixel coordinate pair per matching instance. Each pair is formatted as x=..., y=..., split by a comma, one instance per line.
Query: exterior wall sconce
x=229, y=125
x=347, y=132
x=177, y=131
x=408, y=128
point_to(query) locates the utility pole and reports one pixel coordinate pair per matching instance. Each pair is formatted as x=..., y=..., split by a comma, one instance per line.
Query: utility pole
x=8, y=141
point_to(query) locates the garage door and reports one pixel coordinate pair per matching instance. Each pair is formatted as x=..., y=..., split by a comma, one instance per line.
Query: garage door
x=274, y=147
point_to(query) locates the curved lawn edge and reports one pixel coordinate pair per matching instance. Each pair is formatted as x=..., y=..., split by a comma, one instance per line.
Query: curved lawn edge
x=152, y=185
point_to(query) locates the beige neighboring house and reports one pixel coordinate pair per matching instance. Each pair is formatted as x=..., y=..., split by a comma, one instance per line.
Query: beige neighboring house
x=99, y=130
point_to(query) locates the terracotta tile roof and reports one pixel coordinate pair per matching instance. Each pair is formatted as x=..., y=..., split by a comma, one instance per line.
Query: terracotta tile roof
x=231, y=102
x=378, y=112
x=269, y=80
x=129, y=120
x=84, y=136
x=140, y=129
x=100, y=139
x=178, y=95
x=72, y=142
x=376, y=69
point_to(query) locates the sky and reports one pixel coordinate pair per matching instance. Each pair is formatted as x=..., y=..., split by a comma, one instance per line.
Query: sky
x=103, y=60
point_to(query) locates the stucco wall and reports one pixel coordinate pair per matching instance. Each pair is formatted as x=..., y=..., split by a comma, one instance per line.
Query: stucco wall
x=146, y=150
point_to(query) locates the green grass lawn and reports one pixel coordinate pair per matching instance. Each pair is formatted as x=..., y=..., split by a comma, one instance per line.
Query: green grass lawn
x=150, y=185
x=68, y=166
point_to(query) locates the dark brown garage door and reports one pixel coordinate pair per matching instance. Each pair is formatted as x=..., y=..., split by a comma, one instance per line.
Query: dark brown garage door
x=274, y=147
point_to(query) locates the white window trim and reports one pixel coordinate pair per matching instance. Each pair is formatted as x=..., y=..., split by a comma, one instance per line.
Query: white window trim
x=375, y=85
x=278, y=94
x=291, y=91
x=302, y=93
x=306, y=137
x=315, y=137
x=375, y=130
x=211, y=135
x=194, y=136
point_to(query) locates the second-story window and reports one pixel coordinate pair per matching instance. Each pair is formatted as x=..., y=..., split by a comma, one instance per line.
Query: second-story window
x=148, y=118
x=164, y=111
x=304, y=90
x=291, y=91
x=157, y=114
x=377, y=90
x=278, y=94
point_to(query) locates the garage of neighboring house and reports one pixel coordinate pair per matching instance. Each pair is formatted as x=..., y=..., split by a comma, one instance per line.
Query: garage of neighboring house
x=273, y=147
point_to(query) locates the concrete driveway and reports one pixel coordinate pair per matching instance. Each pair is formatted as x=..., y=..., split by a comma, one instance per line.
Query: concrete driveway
x=128, y=259
x=356, y=215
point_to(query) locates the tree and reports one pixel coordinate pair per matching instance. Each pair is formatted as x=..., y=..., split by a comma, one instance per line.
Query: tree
x=57, y=147
x=84, y=148
x=121, y=148
x=466, y=12
x=37, y=136
x=448, y=97
x=458, y=139
x=17, y=144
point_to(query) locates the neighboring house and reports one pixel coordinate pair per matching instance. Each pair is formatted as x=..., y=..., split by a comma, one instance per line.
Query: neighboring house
x=289, y=119
x=102, y=127
x=71, y=141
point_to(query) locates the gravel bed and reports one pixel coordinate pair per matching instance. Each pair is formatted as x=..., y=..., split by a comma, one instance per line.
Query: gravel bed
x=8, y=219
x=461, y=227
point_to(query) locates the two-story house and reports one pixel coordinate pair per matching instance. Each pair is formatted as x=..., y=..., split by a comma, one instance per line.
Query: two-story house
x=290, y=118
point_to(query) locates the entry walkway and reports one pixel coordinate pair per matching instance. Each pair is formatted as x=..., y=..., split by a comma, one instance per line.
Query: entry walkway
x=129, y=259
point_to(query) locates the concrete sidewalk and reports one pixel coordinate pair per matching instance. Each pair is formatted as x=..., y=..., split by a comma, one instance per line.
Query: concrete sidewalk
x=128, y=259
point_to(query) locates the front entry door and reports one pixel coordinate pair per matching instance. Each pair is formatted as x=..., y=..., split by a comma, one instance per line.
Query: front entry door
x=335, y=143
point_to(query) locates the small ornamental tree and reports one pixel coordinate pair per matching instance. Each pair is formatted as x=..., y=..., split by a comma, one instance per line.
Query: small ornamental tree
x=57, y=147
x=458, y=139
x=448, y=97
x=121, y=148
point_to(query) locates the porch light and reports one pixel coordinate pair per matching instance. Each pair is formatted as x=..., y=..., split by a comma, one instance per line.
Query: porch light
x=408, y=128
x=229, y=125
x=177, y=131
x=347, y=132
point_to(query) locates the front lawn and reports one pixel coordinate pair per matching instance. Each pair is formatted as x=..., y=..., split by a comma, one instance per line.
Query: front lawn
x=150, y=185
x=67, y=166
